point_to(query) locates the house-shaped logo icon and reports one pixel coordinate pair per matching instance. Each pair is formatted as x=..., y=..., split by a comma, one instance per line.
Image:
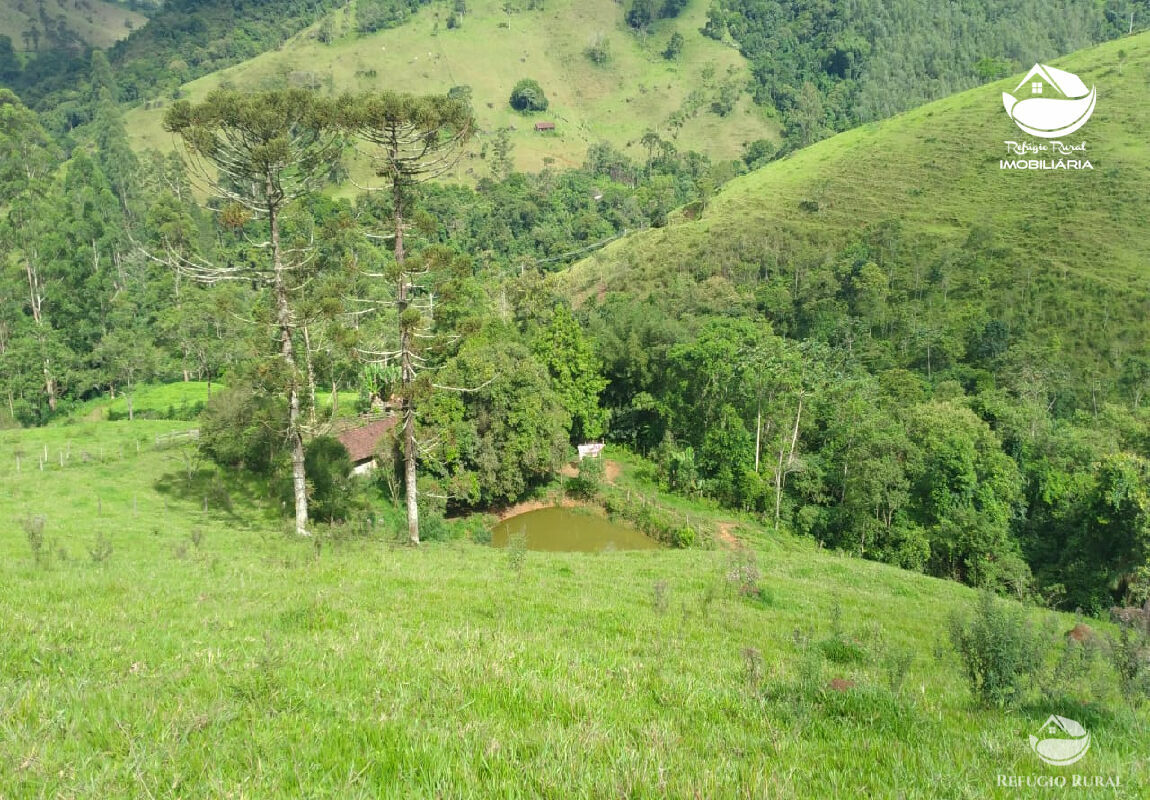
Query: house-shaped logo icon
x=1065, y=741
x=1050, y=102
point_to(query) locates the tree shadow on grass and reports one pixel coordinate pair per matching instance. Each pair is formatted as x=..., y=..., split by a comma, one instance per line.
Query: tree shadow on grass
x=1115, y=717
x=238, y=496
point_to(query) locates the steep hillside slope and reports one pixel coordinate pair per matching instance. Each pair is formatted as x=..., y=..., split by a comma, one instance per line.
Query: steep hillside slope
x=1057, y=261
x=59, y=23
x=635, y=90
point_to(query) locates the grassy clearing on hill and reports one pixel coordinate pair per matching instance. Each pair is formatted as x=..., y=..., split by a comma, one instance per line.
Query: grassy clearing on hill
x=96, y=22
x=636, y=90
x=206, y=653
x=178, y=400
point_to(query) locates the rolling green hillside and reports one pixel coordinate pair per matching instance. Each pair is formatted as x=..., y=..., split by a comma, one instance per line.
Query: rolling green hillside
x=636, y=90
x=94, y=22
x=1061, y=258
x=169, y=641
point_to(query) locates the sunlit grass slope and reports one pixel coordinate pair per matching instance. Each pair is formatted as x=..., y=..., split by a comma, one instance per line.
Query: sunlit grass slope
x=1071, y=248
x=635, y=91
x=96, y=22
x=176, y=400
x=163, y=650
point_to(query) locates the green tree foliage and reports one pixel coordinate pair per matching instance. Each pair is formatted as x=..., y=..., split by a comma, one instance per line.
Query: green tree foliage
x=674, y=46
x=242, y=426
x=599, y=51
x=528, y=96
x=375, y=15
x=269, y=150
x=967, y=492
x=570, y=360
x=204, y=36
x=329, y=479
x=415, y=139
x=506, y=433
x=828, y=67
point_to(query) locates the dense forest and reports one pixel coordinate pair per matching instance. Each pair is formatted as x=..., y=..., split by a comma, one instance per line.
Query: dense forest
x=832, y=396
x=828, y=66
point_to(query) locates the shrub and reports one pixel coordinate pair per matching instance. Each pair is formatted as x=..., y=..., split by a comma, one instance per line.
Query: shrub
x=101, y=549
x=758, y=153
x=516, y=551
x=896, y=666
x=599, y=51
x=328, y=469
x=998, y=648
x=587, y=484
x=434, y=527
x=842, y=651
x=528, y=96
x=683, y=537
x=241, y=427
x=34, y=530
x=1130, y=656
x=661, y=597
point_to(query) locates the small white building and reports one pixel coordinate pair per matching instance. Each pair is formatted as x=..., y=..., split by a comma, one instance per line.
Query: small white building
x=591, y=450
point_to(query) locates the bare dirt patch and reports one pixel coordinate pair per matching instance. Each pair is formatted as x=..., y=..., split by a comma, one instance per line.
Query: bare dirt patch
x=726, y=534
x=611, y=470
x=535, y=505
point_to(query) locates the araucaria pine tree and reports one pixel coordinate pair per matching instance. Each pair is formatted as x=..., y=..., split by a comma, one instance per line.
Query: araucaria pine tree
x=259, y=153
x=411, y=140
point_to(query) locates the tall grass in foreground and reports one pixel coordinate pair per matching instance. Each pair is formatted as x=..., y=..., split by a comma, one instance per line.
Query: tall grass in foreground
x=206, y=653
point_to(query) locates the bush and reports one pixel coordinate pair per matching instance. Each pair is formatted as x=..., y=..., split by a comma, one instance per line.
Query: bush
x=590, y=479
x=599, y=51
x=241, y=427
x=328, y=468
x=841, y=650
x=435, y=528
x=1130, y=657
x=758, y=153
x=999, y=650
x=184, y=411
x=683, y=537
x=34, y=531
x=528, y=96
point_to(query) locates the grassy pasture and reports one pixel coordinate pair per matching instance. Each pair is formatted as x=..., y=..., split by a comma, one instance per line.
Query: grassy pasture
x=180, y=398
x=636, y=90
x=208, y=653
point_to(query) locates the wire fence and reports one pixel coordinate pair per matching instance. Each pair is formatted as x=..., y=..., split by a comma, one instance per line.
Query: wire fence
x=19, y=456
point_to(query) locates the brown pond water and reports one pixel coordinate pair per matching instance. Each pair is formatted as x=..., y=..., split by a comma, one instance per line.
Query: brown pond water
x=569, y=530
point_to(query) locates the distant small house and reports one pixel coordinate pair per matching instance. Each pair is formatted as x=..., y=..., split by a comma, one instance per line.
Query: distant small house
x=362, y=442
x=544, y=126
x=590, y=450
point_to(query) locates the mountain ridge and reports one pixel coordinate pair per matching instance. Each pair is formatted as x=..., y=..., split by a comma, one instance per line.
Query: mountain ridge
x=939, y=167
